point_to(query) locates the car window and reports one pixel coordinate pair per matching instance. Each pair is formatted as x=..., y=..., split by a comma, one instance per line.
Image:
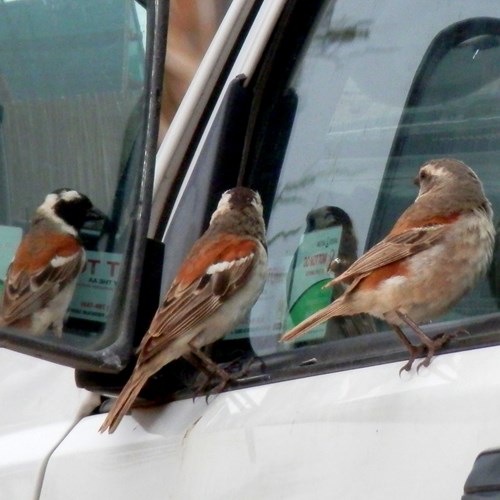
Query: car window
x=376, y=89
x=378, y=94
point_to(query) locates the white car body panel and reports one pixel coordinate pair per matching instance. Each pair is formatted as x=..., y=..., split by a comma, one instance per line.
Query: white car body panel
x=40, y=404
x=364, y=433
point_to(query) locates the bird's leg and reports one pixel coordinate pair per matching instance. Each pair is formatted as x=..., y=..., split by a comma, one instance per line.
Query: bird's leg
x=232, y=377
x=193, y=360
x=209, y=365
x=414, y=350
x=200, y=360
x=210, y=368
x=199, y=365
x=432, y=345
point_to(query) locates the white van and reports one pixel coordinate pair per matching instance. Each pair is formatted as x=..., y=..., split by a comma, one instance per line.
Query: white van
x=327, y=108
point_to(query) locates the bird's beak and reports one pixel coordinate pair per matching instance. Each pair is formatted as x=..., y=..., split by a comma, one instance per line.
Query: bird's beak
x=96, y=223
x=416, y=181
x=95, y=214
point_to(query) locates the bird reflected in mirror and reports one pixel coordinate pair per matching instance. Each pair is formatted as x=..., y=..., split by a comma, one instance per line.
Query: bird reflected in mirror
x=434, y=254
x=41, y=278
x=215, y=287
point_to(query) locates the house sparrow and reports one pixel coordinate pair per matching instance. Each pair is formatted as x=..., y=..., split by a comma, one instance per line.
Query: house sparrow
x=217, y=284
x=41, y=279
x=433, y=255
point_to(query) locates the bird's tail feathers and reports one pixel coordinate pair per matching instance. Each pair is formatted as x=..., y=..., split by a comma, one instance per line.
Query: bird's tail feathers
x=337, y=308
x=124, y=402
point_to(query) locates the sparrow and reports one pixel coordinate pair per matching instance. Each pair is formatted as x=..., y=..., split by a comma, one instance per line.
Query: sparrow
x=433, y=255
x=215, y=287
x=41, y=278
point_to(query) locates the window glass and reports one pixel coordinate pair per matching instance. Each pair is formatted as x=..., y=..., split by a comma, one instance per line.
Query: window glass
x=345, y=121
x=381, y=87
x=72, y=76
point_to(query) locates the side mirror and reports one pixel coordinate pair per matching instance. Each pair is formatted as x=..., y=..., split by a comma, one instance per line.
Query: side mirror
x=79, y=108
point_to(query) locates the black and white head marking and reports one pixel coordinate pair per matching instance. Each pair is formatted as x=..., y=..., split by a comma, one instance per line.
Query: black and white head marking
x=67, y=208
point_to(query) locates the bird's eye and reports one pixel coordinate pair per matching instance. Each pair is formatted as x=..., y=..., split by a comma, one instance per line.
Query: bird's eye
x=422, y=176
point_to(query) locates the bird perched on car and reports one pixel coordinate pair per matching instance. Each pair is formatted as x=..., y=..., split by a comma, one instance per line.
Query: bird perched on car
x=215, y=287
x=41, y=278
x=433, y=255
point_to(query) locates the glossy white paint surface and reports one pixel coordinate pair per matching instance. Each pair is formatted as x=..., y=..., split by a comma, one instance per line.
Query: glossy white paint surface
x=39, y=404
x=364, y=433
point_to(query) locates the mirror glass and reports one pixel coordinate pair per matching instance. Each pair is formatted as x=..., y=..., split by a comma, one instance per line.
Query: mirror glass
x=72, y=82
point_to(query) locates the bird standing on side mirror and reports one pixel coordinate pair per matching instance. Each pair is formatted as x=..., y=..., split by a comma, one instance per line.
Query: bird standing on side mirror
x=41, y=279
x=217, y=284
x=434, y=254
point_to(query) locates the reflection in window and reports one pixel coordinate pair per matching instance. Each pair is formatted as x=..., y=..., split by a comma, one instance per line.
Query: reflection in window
x=375, y=100
x=452, y=110
x=71, y=87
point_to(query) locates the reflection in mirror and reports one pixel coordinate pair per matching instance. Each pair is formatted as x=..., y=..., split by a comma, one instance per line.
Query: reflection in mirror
x=72, y=78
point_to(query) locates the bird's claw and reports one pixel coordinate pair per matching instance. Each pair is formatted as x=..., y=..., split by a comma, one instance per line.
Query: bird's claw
x=436, y=343
x=227, y=379
x=441, y=339
x=426, y=362
x=415, y=351
x=406, y=367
